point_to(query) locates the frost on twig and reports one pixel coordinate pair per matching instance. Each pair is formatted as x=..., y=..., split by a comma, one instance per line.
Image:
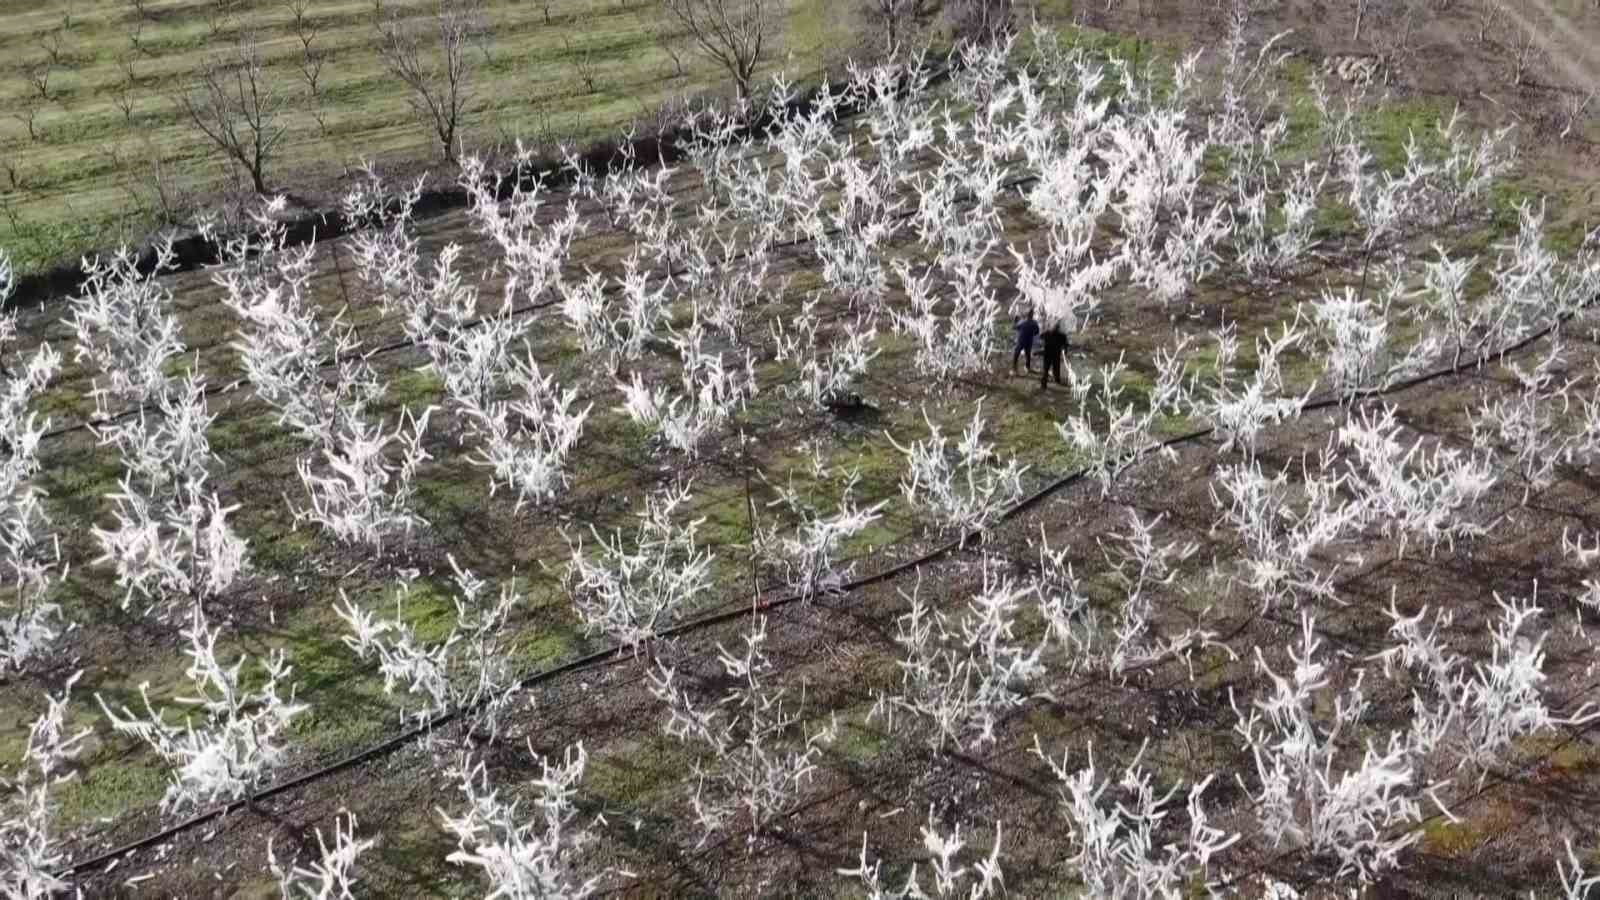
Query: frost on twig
x=524, y=855
x=805, y=556
x=966, y=493
x=469, y=670
x=630, y=592
x=172, y=539
x=713, y=390
x=359, y=494
x=1474, y=711
x=1123, y=848
x=125, y=328
x=332, y=876
x=1306, y=796
x=961, y=674
x=525, y=441
x=975, y=881
x=1129, y=430
x=29, y=621
x=234, y=736
x=755, y=755
x=30, y=857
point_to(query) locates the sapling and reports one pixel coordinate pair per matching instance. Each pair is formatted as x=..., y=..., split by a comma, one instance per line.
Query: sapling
x=968, y=492
x=30, y=856
x=755, y=755
x=976, y=881
x=960, y=675
x=124, y=327
x=531, y=251
x=525, y=441
x=468, y=670
x=1411, y=492
x=27, y=545
x=828, y=370
x=806, y=555
x=524, y=856
x=1363, y=816
x=233, y=738
x=1121, y=851
x=630, y=593
x=713, y=390
x=1129, y=430
x=332, y=876
x=359, y=494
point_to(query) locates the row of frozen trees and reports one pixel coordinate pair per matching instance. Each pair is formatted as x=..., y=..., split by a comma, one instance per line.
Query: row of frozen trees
x=1112, y=164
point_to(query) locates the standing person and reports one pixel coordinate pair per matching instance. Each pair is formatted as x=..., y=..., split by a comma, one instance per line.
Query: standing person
x=1027, y=329
x=1055, y=347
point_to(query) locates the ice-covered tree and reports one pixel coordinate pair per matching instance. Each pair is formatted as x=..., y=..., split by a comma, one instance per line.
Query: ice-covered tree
x=233, y=735
x=629, y=590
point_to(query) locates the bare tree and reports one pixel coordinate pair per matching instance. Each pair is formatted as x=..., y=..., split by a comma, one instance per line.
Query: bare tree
x=38, y=78
x=983, y=21
x=1361, y=17
x=53, y=44
x=123, y=98
x=431, y=60
x=1488, y=14
x=136, y=37
x=668, y=42
x=738, y=35
x=1396, y=22
x=583, y=60
x=312, y=59
x=27, y=112
x=1574, y=106
x=1526, y=52
x=898, y=18
x=237, y=108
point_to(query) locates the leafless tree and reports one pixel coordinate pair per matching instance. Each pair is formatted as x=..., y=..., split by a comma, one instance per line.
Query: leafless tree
x=136, y=37
x=545, y=5
x=38, y=78
x=123, y=98
x=237, y=108
x=898, y=18
x=738, y=35
x=1526, y=52
x=985, y=21
x=1395, y=25
x=1361, y=17
x=431, y=60
x=668, y=42
x=1574, y=107
x=52, y=43
x=219, y=14
x=583, y=61
x=312, y=59
x=140, y=9
x=26, y=111
x=1488, y=14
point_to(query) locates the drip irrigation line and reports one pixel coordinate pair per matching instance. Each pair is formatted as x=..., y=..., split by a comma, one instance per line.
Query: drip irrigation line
x=617, y=654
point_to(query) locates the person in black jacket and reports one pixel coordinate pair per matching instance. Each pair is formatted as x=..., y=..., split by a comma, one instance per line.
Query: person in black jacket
x=1027, y=329
x=1055, y=347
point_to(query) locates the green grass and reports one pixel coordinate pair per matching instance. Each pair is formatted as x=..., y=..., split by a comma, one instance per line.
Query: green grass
x=82, y=184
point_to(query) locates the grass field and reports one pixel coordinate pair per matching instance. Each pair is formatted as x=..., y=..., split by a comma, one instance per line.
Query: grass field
x=86, y=181
x=839, y=653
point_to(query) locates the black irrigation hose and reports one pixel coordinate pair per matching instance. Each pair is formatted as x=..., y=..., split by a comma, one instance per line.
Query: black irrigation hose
x=612, y=655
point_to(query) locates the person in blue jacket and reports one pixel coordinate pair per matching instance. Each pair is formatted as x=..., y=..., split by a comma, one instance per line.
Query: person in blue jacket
x=1027, y=329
